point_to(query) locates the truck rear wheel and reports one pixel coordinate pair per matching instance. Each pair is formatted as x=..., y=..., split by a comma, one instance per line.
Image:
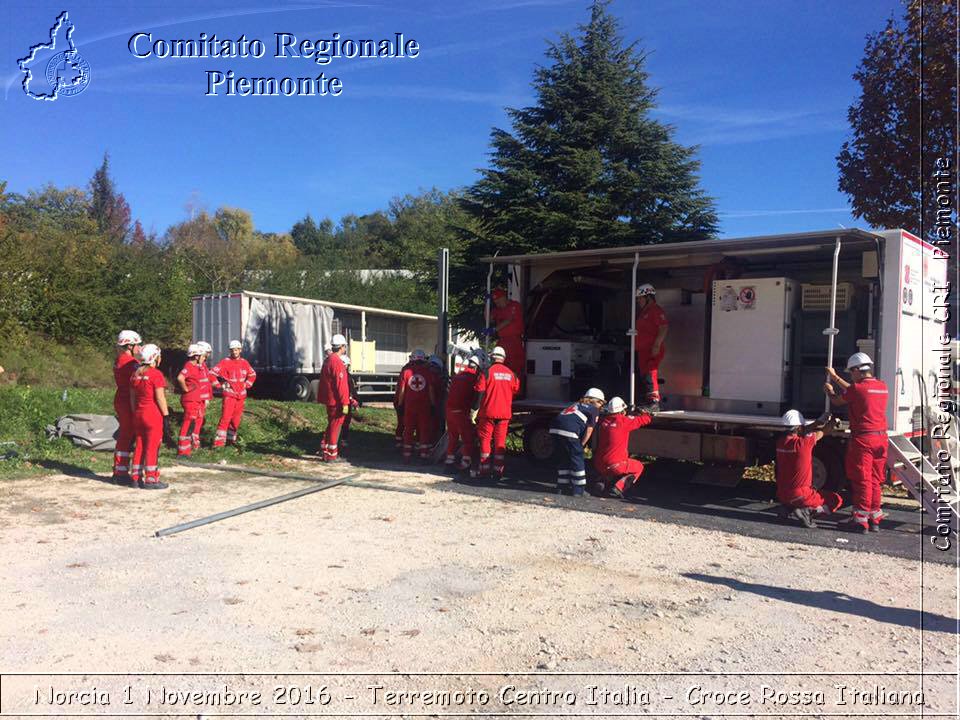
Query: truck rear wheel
x=299, y=388
x=537, y=443
x=828, y=473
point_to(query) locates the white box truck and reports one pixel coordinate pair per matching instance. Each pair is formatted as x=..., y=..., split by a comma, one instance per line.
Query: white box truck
x=750, y=335
x=283, y=338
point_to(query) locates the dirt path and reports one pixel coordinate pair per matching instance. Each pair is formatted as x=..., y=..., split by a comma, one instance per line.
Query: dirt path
x=359, y=580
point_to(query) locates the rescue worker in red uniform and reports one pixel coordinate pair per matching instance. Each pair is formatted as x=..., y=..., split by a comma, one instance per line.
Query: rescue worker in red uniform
x=235, y=376
x=206, y=392
x=438, y=377
x=334, y=393
x=616, y=469
x=495, y=388
x=652, y=327
x=794, y=469
x=416, y=356
x=128, y=347
x=866, y=461
x=193, y=379
x=460, y=431
x=344, y=443
x=506, y=317
x=148, y=403
x=418, y=401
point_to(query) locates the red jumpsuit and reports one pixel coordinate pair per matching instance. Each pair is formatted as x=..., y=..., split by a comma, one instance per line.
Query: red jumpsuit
x=510, y=336
x=123, y=368
x=611, y=459
x=195, y=376
x=418, y=408
x=235, y=377
x=354, y=404
x=498, y=385
x=866, y=460
x=334, y=392
x=649, y=321
x=460, y=398
x=795, y=475
x=147, y=425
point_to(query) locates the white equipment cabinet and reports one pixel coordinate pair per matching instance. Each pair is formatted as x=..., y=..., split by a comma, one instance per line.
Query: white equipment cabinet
x=750, y=339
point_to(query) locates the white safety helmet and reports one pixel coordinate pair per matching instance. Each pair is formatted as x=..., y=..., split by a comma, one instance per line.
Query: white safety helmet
x=498, y=353
x=595, y=394
x=418, y=355
x=128, y=337
x=858, y=360
x=235, y=345
x=793, y=418
x=149, y=353
x=473, y=361
x=193, y=350
x=338, y=340
x=646, y=289
x=205, y=347
x=616, y=405
x=346, y=360
x=436, y=360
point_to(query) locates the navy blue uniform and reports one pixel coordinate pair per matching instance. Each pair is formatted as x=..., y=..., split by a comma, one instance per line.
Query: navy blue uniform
x=568, y=429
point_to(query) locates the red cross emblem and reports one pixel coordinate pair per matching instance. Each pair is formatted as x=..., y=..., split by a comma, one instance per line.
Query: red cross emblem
x=416, y=383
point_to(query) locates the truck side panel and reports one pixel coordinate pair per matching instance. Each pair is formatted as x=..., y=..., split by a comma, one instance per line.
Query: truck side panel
x=218, y=319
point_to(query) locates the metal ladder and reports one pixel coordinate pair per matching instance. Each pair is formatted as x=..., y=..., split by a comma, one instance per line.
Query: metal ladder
x=921, y=478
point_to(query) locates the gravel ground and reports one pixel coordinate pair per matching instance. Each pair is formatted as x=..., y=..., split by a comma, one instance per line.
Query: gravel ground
x=354, y=580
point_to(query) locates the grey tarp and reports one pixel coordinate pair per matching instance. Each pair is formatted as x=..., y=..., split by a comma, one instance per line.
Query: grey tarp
x=288, y=336
x=94, y=432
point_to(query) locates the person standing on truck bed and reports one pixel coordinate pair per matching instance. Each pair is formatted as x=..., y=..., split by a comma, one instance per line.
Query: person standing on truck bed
x=191, y=379
x=507, y=318
x=128, y=348
x=866, y=461
x=334, y=393
x=235, y=376
x=652, y=327
x=794, y=469
x=611, y=459
x=571, y=431
x=495, y=390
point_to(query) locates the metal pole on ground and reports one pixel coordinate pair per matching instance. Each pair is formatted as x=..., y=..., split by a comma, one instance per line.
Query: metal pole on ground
x=251, y=507
x=831, y=332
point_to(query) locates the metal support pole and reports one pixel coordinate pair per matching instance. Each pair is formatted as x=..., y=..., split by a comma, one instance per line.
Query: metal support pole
x=251, y=507
x=632, y=332
x=831, y=332
x=486, y=313
x=443, y=304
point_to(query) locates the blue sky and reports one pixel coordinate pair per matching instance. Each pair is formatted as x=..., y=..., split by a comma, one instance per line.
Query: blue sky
x=763, y=88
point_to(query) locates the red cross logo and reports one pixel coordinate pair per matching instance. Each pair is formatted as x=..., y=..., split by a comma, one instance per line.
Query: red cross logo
x=416, y=383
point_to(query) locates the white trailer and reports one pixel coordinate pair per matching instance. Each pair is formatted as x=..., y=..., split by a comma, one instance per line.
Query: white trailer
x=283, y=338
x=750, y=335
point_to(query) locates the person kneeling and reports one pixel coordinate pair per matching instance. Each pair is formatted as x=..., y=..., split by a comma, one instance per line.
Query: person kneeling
x=794, y=467
x=616, y=469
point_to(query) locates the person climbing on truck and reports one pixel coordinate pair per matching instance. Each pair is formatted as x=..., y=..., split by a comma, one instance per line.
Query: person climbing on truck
x=794, y=470
x=652, y=328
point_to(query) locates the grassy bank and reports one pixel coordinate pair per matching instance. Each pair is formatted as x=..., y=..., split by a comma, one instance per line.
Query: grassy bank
x=271, y=430
x=31, y=359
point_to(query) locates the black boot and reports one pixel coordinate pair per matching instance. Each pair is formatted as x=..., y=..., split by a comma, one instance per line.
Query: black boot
x=803, y=515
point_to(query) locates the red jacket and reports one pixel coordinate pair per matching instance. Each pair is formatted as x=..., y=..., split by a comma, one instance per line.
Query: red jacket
x=123, y=368
x=461, y=395
x=649, y=322
x=419, y=386
x=867, y=403
x=613, y=436
x=401, y=378
x=198, y=383
x=206, y=389
x=143, y=387
x=794, y=466
x=334, y=387
x=512, y=312
x=498, y=385
x=238, y=374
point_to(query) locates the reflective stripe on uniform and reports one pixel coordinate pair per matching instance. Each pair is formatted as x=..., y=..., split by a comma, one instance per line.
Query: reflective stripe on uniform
x=564, y=433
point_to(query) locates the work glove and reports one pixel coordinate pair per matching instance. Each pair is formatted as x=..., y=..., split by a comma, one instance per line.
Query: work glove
x=473, y=416
x=166, y=428
x=346, y=409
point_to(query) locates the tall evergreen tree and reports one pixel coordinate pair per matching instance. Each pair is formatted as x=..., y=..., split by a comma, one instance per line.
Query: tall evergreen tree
x=108, y=208
x=587, y=166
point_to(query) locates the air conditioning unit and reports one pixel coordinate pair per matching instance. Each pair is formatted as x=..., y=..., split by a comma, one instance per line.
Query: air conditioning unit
x=817, y=297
